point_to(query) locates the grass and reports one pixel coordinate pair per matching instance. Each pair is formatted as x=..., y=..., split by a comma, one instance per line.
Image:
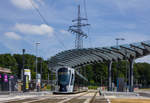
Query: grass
x=130, y=100
x=93, y=87
x=145, y=89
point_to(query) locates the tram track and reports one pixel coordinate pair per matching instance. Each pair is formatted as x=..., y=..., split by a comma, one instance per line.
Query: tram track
x=56, y=100
x=98, y=99
x=71, y=100
x=86, y=97
x=19, y=100
x=68, y=99
x=47, y=99
x=93, y=98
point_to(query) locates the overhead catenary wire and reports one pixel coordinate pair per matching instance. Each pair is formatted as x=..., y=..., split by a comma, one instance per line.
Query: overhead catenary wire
x=45, y=21
x=84, y=3
x=88, y=28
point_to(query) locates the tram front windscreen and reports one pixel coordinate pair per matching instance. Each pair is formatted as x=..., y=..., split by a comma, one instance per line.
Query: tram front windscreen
x=63, y=76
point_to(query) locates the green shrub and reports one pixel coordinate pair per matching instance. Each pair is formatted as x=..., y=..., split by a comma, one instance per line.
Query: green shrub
x=92, y=87
x=48, y=87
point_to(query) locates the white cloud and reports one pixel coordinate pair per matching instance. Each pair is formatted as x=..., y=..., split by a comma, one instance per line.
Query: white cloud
x=144, y=59
x=64, y=32
x=42, y=29
x=12, y=35
x=24, y=4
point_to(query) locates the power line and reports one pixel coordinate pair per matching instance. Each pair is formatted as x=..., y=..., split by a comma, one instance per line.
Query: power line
x=45, y=21
x=88, y=28
x=84, y=2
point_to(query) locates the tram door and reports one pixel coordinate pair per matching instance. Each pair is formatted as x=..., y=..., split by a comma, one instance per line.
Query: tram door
x=71, y=84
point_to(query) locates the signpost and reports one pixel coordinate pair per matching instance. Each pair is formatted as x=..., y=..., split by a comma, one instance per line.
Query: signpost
x=27, y=78
x=38, y=82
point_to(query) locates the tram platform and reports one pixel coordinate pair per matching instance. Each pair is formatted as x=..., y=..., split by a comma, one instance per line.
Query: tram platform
x=14, y=95
x=75, y=92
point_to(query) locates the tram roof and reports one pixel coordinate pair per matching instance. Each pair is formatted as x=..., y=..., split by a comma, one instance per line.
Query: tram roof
x=79, y=57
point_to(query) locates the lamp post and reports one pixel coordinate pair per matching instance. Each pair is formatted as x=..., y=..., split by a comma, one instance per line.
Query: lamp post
x=41, y=72
x=37, y=43
x=23, y=62
x=117, y=41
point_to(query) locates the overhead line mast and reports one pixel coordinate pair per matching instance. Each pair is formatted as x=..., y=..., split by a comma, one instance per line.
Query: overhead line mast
x=77, y=29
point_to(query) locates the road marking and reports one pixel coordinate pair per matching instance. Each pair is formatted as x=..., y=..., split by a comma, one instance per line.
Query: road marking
x=65, y=100
x=88, y=100
x=108, y=101
x=77, y=96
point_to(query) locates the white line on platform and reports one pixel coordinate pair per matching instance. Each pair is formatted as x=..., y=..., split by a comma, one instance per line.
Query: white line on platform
x=108, y=101
x=88, y=100
x=65, y=100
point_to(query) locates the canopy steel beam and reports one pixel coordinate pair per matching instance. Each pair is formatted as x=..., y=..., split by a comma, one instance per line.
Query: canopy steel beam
x=90, y=58
x=132, y=52
x=82, y=54
x=119, y=56
x=146, y=46
x=120, y=51
x=84, y=59
x=138, y=49
x=77, y=57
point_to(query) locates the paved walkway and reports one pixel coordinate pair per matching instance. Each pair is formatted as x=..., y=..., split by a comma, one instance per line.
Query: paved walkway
x=4, y=96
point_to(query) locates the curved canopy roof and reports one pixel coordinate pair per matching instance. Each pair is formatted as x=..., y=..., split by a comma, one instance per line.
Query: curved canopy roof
x=80, y=57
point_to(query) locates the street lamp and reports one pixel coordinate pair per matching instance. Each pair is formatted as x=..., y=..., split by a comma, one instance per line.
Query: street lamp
x=23, y=62
x=37, y=43
x=117, y=41
x=41, y=72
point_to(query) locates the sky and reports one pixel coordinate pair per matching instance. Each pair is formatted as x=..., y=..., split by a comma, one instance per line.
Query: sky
x=21, y=26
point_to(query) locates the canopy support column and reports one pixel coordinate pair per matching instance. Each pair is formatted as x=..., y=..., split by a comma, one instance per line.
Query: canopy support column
x=109, y=76
x=131, y=61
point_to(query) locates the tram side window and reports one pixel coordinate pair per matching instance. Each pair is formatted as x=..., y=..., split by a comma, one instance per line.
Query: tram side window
x=72, y=79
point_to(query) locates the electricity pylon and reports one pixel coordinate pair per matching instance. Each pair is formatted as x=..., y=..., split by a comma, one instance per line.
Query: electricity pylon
x=77, y=29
